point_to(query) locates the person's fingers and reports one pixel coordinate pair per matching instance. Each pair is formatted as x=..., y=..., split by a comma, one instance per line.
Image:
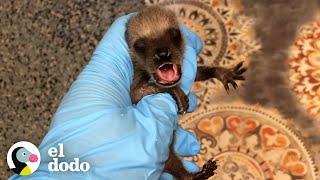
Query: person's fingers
x=166, y=176
x=158, y=110
x=192, y=102
x=190, y=166
x=114, y=39
x=189, y=69
x=105, y=81
x=193, y=46
x=185, y=144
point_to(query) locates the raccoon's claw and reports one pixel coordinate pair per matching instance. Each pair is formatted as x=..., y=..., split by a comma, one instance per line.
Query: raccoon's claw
x=207, y=171
x=229, y=76
x=182, y=112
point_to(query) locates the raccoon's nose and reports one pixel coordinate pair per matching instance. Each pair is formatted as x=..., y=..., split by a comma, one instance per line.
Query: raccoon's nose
x=162, y=53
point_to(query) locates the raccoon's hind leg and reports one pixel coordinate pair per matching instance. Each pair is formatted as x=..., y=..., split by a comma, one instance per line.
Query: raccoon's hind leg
x=175, y=167
x=207, y=171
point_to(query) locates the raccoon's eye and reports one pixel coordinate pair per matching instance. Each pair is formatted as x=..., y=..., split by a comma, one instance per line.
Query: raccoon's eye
x=175, y=35
x=139, y=45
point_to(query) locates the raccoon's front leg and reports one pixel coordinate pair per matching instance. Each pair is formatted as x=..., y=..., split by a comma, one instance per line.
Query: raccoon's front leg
x=140, y=86
x=224, y=75
x=143, y=90
x=181, y=98
x=146, y=89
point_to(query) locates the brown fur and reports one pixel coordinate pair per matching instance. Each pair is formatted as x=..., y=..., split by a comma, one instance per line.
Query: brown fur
x=145, y=26
x=153, y=28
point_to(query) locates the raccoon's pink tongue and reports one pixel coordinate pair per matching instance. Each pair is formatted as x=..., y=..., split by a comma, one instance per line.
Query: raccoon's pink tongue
x=168, y=73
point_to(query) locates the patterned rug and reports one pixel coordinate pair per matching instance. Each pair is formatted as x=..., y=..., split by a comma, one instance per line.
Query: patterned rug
x=304, y=66
x=249, y=142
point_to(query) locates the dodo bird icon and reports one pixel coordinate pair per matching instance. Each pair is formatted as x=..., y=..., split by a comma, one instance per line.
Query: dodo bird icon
x=20, y=156
x=23, y=159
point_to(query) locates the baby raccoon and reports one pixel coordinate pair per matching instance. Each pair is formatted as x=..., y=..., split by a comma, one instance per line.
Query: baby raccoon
x=156, y=47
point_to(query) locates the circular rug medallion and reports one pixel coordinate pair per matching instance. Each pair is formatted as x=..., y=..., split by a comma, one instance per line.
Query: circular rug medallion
x=249, y=143
x=304, y=66
x=227, y=35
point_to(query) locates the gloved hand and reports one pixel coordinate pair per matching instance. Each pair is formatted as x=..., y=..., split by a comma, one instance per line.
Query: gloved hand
x=97, y=123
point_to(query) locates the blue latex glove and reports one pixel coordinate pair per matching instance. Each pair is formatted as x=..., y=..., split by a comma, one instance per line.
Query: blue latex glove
x=98, y=124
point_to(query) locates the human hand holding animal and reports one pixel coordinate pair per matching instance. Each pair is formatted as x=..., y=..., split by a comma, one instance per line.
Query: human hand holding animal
x=157, y=46
x=97, y=122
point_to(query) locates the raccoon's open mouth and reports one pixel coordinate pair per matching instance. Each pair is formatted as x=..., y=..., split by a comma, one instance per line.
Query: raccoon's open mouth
x=168, y=74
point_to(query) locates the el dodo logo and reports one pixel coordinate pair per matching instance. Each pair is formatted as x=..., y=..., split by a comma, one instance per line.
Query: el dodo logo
x=56, y=165
x=23, y=158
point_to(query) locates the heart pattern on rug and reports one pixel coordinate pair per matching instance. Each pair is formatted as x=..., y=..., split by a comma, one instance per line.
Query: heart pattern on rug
x=271, y=138
x=241, y=127
x=254, y=142
x=211, y=126
x=291, y=162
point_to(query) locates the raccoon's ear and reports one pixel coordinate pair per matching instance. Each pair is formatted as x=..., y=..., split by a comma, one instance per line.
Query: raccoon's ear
x=175, y=35
x=139, y=45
